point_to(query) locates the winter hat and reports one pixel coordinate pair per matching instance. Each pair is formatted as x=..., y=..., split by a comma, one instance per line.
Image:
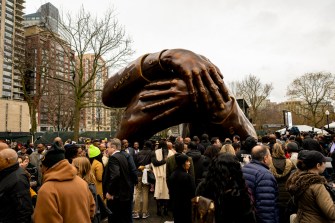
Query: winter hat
x=53, y=155
x=180, y=159
x=93, y=151
x=312, y=157
x=292, y=147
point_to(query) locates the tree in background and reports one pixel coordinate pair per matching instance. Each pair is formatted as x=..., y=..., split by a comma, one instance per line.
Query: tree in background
x=58, y=108
x=314, y=92
x=105, y=40
x=255, y=93
x=34, y=66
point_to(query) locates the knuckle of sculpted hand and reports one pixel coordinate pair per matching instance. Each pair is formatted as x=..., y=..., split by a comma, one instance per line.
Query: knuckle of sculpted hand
x=214, y=87
x=212, y=68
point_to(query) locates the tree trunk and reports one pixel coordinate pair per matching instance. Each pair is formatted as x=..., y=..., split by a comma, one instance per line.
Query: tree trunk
x=33, y=122
x=76, y=121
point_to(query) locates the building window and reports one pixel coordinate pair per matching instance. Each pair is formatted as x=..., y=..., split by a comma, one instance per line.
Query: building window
x=44, y=129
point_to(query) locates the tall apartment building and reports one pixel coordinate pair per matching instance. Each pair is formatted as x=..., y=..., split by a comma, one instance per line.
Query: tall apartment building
x=47, y=15
x=50, y=64
x=14, y=115
x=96, y=118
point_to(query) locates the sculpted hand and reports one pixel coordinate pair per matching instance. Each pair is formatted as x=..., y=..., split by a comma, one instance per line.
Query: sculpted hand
x=199, y=74
x=160, y=105
x=171, y=95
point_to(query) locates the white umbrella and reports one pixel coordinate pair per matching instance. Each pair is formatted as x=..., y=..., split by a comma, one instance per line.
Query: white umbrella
x=305, y=128
x=331, y=125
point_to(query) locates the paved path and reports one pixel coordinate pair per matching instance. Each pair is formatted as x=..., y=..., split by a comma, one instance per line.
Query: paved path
x=153, y=218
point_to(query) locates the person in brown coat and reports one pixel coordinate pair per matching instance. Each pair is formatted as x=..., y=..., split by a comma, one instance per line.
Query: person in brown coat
x=63, y=196
x=308, y=188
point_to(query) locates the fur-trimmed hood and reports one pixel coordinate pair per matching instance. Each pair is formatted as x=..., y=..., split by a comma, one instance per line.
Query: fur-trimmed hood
x=300, y=181
x=281, y=167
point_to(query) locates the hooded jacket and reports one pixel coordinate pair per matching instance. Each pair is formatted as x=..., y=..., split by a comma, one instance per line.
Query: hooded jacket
x=200, y=164
x=314, y=201
x=281, y=168
x=64, y=197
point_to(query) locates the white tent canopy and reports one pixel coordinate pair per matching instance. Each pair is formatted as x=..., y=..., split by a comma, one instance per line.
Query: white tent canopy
x=331, y=125
x=305, y=128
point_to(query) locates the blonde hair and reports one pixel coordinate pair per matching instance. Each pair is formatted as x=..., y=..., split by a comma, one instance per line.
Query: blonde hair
x=277, y=151
x=83, y=166
x=228, y=148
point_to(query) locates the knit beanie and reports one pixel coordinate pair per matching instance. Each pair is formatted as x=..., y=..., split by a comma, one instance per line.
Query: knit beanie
x=93, y=151
x=53, y=155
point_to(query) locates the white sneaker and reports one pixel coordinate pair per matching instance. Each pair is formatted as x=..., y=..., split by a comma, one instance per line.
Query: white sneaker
x=145, y=215
x=136, y=215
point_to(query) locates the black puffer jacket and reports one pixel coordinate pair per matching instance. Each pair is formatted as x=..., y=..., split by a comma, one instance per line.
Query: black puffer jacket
x=15, y=199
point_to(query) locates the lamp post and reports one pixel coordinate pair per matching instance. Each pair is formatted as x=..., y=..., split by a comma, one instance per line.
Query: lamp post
x=327, y=114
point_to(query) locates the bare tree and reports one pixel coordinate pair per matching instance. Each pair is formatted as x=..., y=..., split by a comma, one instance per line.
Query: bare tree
x=33, y=70
x=57, y=106
x=314, y=92
x=105, y=40
x=254, y=92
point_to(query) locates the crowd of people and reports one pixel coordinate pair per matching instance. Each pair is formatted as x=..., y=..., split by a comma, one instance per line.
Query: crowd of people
x=276, y=178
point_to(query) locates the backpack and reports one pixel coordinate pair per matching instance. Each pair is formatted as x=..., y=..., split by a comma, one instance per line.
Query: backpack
x=203, y=210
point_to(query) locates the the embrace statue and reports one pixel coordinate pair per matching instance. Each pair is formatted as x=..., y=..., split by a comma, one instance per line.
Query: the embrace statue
x=171, y=87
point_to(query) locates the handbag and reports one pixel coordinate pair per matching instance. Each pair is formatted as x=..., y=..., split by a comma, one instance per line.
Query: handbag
x=203, y=210
x=331, y=191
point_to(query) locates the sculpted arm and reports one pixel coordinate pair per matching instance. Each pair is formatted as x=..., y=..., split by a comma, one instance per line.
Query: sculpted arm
x=197, y=71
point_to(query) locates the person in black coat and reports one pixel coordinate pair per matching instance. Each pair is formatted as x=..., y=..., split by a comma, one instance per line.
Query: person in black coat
x=182, y=190
x=117, y=185
x=15, y=200
x=142, y=160
x=199, y=161
x=308, y=143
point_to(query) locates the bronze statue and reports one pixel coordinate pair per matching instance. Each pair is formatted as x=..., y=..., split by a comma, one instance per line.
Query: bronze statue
x=170, y=87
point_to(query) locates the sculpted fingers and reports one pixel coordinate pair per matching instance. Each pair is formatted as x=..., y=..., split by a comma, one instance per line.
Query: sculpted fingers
x=160, y=104
x=213, y=87
x=218, y=80
x=160, y=85
x=155, y=95
x=189, y=83
x=166, y=113
x=202, y=90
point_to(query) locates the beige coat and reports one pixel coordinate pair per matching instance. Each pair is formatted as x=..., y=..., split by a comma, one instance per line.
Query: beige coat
x=161, y=189
x=64, y=197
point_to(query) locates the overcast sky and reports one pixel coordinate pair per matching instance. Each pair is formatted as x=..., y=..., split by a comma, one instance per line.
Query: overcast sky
x=274, y=40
